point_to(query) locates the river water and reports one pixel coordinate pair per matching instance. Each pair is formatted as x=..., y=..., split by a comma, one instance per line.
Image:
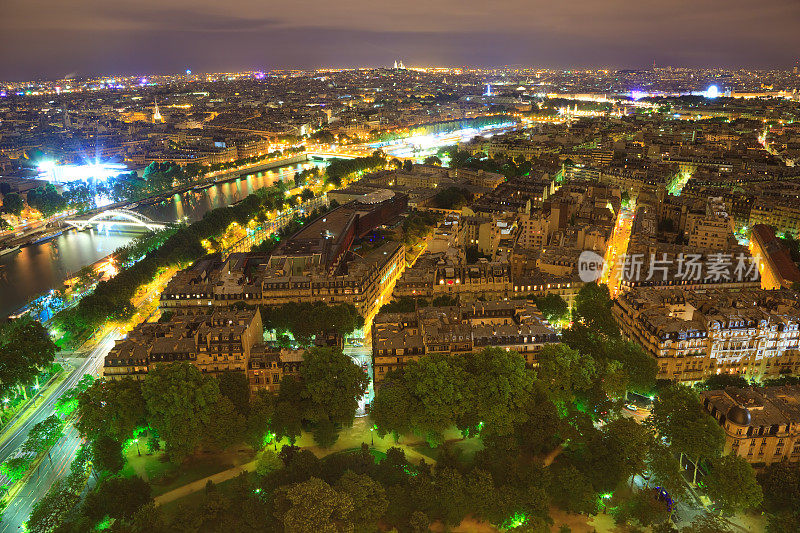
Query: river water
x=37, y=268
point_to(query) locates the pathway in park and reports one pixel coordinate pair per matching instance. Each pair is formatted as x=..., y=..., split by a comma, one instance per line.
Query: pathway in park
x=349, y=438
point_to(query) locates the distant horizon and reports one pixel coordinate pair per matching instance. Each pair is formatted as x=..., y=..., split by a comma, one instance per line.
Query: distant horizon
x=49, y=39
x=182, y=72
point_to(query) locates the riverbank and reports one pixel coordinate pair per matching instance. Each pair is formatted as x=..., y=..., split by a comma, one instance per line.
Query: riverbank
x=35, y=270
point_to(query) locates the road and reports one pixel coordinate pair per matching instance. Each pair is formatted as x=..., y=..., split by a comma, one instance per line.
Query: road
x=46, y=408
x=53, y=468
x=362, y=356
x=62, y=454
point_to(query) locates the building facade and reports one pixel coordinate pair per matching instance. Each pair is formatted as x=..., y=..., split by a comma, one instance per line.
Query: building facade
x=694, y=334
x=762, y=425
x=398, y=338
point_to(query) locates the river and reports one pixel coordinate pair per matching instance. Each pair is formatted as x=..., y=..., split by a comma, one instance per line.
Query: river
x=37, y=268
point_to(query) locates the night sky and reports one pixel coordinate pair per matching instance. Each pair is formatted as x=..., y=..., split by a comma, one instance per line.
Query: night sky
x=54, y=38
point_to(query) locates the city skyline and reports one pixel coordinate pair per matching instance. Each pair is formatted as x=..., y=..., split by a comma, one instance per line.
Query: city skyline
x=87, y=38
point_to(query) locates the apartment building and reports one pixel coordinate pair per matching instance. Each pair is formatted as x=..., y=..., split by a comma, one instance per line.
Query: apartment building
x=515, y=325
x=777, y=268
x=267, y=367
x=761, y=424
x=214, y=340
x=441, y=274
x=255, y=279
x=781, y=214
x=694, y=334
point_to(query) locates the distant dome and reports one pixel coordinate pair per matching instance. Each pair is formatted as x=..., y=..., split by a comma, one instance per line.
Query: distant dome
x=739, y=415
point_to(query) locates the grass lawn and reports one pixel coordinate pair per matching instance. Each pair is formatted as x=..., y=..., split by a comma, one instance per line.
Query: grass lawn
x=194, y=500
x=165, y=476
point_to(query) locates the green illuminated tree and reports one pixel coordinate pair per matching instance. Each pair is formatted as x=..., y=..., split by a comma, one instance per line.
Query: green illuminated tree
x=732, y=484
x=27, y=348
x=392, y=407
x=181, y=402
x=44, y=435
x=113, y=408
x=593, y=309
x=14, y=469
x=107, y=455
x=233, y=385
x=313, y=507
x=258, y=419
x=51, y=511
x=497, y=389
x=565, y=372
x=334, y=384
x=268, y=462
x=553, y=307
x=368, y=497
x=292, y=402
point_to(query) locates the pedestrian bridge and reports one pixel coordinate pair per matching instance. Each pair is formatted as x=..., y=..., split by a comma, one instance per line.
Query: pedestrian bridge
x=117, y=217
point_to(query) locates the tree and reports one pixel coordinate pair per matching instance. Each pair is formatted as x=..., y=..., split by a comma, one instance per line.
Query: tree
x=565, y=372
x=419, y=522
x=781, y=485
x=122, y=497
x=113, y=408
x=732, y=484
x=313, y=507
x=13, y=203
x=665, y=470
x=258, y=418
x=225, y=426
x=570, y=489
x=497, y=389
x=334, y=384
x=49, y=512
x=44, y=435
x=433, y=160
x=180, y=402
x=16, y=468
x=233, y=385
x=107, y=454
x=368, y=497
x=26, y=347
x=646, y=509
x=707, y=523
x=593, y=309
x=438, y=395
x=149, y=519
x=287, y=418
x=553, y=307
x=720, y=381
x=268, y=462
x=325, y=433
x=702, y=439
x=391, y=408
x=628, y=442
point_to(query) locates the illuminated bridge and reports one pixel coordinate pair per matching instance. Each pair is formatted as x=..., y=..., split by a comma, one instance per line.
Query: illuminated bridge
x=117, y=217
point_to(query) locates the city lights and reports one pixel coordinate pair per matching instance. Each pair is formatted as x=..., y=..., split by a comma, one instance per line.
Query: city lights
x=66, y=173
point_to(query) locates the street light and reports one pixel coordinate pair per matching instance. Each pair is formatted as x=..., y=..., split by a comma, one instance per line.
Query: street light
x=372, y=435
